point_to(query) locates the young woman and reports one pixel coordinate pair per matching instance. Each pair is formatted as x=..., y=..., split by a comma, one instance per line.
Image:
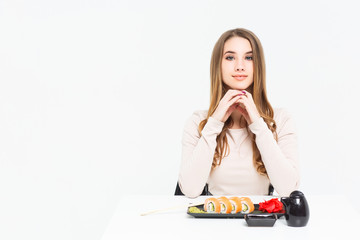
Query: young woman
x=240, y=145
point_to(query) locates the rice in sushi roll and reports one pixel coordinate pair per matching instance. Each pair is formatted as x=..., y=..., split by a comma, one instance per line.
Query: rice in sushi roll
x=225, y=204
x=212, y=205
x=236, y=204
x=247, y=205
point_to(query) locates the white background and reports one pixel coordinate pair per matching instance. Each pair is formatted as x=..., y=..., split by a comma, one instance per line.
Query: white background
x=94, y=96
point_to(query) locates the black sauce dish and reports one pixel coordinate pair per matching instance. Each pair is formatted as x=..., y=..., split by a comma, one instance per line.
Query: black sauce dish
x=260, y=220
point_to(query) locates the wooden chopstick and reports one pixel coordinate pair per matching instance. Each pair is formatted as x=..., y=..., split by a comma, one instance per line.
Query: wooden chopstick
x=170, y=208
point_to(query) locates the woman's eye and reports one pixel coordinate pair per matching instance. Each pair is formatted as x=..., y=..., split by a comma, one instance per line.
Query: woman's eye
x=249, y=58
x=229, y=58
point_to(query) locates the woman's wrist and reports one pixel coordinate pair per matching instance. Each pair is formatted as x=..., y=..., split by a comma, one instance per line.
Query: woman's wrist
x=254, y=118
x=257, y=125
x=214, y=121
x=213, y=126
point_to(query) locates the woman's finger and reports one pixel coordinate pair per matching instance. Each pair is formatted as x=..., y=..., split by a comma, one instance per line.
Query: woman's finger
x=241, y=110
x=242, y=100
x=234, y=100
x=247, y=94
x=230, y=94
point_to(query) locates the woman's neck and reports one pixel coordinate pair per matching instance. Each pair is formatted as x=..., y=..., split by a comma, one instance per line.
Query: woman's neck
x=238, y=121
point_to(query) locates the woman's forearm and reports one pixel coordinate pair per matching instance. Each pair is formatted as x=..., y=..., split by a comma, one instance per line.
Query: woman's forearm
x=280, y=158
x=197, y=156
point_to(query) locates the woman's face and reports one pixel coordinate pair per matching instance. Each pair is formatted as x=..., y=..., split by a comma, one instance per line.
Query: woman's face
x=237, y=63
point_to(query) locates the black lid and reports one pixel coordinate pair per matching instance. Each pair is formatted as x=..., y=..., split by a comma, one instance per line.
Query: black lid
x=296, y=194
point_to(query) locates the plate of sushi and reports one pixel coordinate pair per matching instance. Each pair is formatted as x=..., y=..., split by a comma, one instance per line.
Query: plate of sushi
x=235, y=207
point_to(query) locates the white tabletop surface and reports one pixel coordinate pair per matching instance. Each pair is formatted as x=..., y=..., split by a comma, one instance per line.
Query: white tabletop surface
x=331, y=217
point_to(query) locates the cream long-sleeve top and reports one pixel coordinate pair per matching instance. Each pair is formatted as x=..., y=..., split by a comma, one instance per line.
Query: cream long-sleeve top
x=236, y=174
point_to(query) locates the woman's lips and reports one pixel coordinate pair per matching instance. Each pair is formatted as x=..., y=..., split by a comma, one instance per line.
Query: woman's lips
x=240, y=77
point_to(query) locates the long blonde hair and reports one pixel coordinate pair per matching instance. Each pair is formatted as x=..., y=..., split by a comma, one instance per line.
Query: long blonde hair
x=258, y=91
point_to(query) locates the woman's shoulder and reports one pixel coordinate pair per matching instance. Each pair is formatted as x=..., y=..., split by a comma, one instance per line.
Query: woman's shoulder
x=197, y=116
x=283, y=117
x=194, y=120
x=202, y=114
x=281, y=113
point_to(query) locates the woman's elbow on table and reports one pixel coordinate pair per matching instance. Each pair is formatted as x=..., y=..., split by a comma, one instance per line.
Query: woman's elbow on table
x=189, y=190
x=287, y=189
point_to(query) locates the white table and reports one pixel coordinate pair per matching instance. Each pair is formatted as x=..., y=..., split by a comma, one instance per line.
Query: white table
x=327, y=221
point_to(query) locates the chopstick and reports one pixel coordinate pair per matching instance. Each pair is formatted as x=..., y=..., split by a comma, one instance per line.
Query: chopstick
x=169, y=208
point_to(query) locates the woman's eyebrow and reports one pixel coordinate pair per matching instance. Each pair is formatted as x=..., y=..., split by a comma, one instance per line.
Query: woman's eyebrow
x=235, y=52
x=229, y=52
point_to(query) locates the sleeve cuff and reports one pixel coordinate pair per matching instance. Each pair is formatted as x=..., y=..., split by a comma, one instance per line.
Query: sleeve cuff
x=258, y=126
x=213, y=126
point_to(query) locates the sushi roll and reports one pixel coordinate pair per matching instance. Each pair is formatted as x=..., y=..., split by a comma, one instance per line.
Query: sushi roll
x=247, y=205
x=225, y=204
x=212, y=205
x=236, y=204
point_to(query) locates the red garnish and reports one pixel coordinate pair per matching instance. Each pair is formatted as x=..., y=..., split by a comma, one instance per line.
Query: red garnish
x=271, y=206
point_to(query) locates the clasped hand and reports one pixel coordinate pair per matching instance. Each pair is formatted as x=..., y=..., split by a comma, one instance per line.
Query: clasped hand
x=240, y=100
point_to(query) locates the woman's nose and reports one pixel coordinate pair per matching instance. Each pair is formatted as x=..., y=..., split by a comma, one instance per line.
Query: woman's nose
x=240, y=66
